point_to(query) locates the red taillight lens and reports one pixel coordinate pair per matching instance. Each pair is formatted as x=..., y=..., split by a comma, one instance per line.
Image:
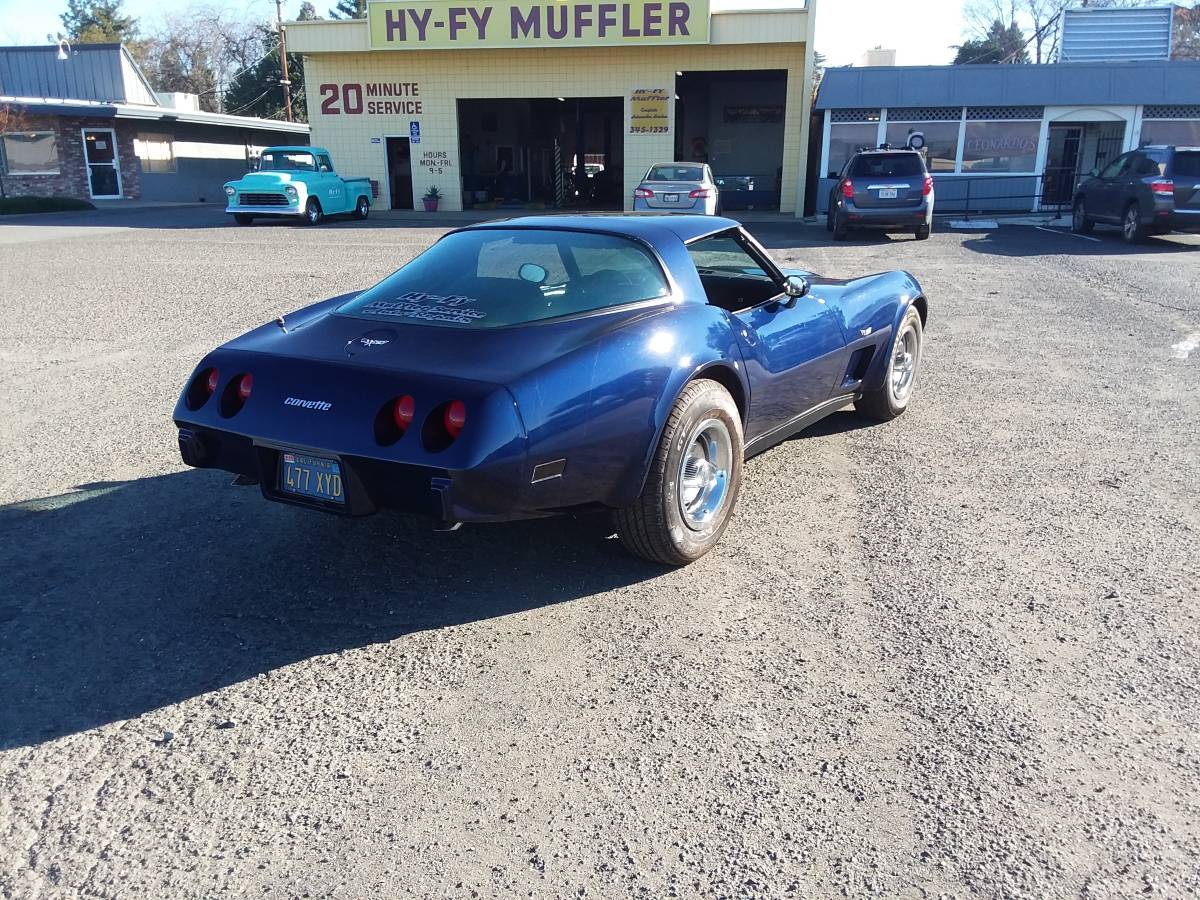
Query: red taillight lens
x=214, y=376
x=698, y=194
x=245, y=386
x=928, y=188
x=642, y=193
x=848, y=189
x=1166, y=188
x=402, y=412
x=454, y=418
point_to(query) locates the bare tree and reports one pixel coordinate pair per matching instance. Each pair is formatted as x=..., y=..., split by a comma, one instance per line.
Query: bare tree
x=1039, y=19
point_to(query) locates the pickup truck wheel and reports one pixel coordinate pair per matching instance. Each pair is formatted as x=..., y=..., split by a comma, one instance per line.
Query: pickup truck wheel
x=363, y=209
x=312, y=211
x=243, y=219
x=904, y=359
x=693, y=482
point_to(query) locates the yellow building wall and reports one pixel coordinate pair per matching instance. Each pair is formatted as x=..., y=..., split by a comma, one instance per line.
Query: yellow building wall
x=444, y=77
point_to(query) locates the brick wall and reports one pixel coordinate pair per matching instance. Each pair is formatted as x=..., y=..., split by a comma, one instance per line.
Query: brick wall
x=72, y=177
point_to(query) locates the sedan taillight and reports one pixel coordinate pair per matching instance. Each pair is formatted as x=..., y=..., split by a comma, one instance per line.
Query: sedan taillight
x=1163, y=188
x=699, y=194
x=848, y=189
x=642, y=193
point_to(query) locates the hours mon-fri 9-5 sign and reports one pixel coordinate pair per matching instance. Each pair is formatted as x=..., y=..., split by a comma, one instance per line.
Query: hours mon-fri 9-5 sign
x=450, y=24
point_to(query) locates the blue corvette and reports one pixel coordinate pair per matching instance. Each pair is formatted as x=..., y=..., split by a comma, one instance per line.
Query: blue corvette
x=546, y=365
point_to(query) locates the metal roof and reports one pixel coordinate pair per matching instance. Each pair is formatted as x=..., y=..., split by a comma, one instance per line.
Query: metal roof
x=163, y=114
x=649, y=227
x=1116, y=34
x=103, y=73
x=1060, y=84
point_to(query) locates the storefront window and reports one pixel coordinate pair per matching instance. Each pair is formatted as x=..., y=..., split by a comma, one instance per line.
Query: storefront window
x=156, y=152
x=999, y=147
x=1180, y=132
x=846, y=139
x=31, y=153
x=941, y=139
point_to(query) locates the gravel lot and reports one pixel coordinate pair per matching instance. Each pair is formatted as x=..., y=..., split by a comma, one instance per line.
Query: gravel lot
x=954, y=655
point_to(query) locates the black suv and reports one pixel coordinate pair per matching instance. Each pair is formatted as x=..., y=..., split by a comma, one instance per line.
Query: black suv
x=889, y=190
x=1151, y=190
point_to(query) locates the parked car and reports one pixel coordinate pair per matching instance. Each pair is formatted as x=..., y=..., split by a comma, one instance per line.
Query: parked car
x=299, y=182
x=1153, y=190
x=887, y=190
x=686, y=187
x=525, y=368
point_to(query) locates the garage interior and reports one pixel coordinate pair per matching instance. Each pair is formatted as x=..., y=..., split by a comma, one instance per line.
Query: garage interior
x=554, y=153
x=734, y=121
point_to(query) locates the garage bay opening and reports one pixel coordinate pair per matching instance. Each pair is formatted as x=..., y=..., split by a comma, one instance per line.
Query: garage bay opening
x=556, y=153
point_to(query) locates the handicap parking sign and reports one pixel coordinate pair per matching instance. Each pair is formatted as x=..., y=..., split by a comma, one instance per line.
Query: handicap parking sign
x=414, y=132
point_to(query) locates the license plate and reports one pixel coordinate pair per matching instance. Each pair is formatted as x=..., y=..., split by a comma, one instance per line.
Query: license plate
x=671, y=198
x=887, y=194
x=311, y=476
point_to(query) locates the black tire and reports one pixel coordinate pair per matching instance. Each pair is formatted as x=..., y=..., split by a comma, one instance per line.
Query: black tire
x=363, y=208
x=886, y=402
x=840, y=231
x=829, y=221
x=922, y=232
x=656, y=527
x=312, y=212
x=1132, y=229
x=1081, y=223
x=243, y=219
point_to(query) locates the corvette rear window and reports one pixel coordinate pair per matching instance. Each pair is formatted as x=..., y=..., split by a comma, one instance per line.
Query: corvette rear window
x=487, y=278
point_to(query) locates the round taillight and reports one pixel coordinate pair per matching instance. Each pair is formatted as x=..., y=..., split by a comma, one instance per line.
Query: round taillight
x=402, y=412
x=245, y=385
x=211, y=383
x=454, y=418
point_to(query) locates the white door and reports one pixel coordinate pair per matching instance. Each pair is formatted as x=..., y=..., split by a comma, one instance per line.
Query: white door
x=103, y=164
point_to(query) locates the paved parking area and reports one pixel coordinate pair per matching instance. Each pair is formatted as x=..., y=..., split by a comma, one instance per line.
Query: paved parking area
x=956, y=654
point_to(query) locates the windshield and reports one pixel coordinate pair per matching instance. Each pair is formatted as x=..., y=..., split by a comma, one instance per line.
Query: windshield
x=486, y=278
x=887, y=165
x=286, y=161
x=676, y=173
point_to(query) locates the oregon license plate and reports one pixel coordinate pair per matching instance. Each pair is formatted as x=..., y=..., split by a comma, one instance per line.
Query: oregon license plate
x=670, y=198
x=887, y=194
x=311, y=476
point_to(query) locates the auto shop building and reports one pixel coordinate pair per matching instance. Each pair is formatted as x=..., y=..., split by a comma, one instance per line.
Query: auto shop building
x=516, y=105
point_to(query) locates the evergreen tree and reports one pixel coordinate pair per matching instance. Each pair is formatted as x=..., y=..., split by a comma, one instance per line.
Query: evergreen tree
x=349, y=9
x=98, y=22
x=1003, y=44
x=256, y=91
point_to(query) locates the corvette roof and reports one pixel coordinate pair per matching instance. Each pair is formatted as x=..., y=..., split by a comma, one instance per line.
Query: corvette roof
x=649, y=227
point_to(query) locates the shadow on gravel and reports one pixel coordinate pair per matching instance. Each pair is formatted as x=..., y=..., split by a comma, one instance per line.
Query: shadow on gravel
x=1024, y=241
x=124, y=597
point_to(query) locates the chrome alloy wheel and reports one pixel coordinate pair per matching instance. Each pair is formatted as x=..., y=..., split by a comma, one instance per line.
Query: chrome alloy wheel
x=904, y=365
x=1131, y=223
x=704, y=474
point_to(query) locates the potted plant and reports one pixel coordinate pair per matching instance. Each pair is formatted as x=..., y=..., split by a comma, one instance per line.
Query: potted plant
x=431, y=198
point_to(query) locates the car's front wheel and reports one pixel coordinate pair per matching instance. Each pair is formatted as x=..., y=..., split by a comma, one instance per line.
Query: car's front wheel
x=693, y=483
x=243, y=219
x=312, y=212
x=363, y=209
x=1080, y=222
x=891, y=399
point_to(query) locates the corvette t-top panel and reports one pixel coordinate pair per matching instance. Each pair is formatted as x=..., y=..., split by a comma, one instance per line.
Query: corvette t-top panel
x=524, y=368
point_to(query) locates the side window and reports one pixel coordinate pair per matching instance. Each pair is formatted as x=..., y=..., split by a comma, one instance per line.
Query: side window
x=324, y=164
x=1149, y=164
x=1117, y=166
x=722, y=254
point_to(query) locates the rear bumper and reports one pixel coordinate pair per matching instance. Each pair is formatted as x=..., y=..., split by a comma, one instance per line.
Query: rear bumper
x=697, y=207
x=892, y=217
x=264, y=210
x=371, y=485
x=1184, y=220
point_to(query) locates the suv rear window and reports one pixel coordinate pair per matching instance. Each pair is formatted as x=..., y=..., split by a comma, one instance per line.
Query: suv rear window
x=1187, y=164
x=887, y=165
x=489, y=277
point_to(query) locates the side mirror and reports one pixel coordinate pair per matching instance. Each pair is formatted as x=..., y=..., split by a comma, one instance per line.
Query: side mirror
x=325, y=168
x=795, y=286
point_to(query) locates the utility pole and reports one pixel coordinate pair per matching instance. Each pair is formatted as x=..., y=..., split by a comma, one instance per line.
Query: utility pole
x=287, y=85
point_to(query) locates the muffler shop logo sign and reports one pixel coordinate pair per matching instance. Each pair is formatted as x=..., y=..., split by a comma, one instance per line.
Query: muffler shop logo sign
x=450, y=24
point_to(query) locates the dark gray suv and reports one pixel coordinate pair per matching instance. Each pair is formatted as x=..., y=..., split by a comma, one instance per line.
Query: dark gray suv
x=1148, y=191
x=888, y=190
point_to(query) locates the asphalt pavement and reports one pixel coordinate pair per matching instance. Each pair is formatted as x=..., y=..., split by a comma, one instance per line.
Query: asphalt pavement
x=953, y=655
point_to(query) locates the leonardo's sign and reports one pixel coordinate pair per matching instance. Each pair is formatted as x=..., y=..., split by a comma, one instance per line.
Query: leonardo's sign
x=449, y=24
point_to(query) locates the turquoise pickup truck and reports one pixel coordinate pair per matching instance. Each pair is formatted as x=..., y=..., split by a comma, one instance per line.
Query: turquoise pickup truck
x=296, y=181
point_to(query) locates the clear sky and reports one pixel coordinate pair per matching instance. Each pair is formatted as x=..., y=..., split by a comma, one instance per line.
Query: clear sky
x=923, y=33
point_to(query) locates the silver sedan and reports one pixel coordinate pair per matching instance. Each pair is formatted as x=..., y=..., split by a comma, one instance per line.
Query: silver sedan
x=685, y=187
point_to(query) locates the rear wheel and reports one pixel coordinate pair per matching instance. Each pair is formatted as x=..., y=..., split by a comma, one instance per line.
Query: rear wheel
x=363, y=209
x=1132, y=228
x=1080, y=222
x=922, y=232
x=693, y=482
x=892, y=398
x=840, y=231
x=312, y=212
x=242, y=218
